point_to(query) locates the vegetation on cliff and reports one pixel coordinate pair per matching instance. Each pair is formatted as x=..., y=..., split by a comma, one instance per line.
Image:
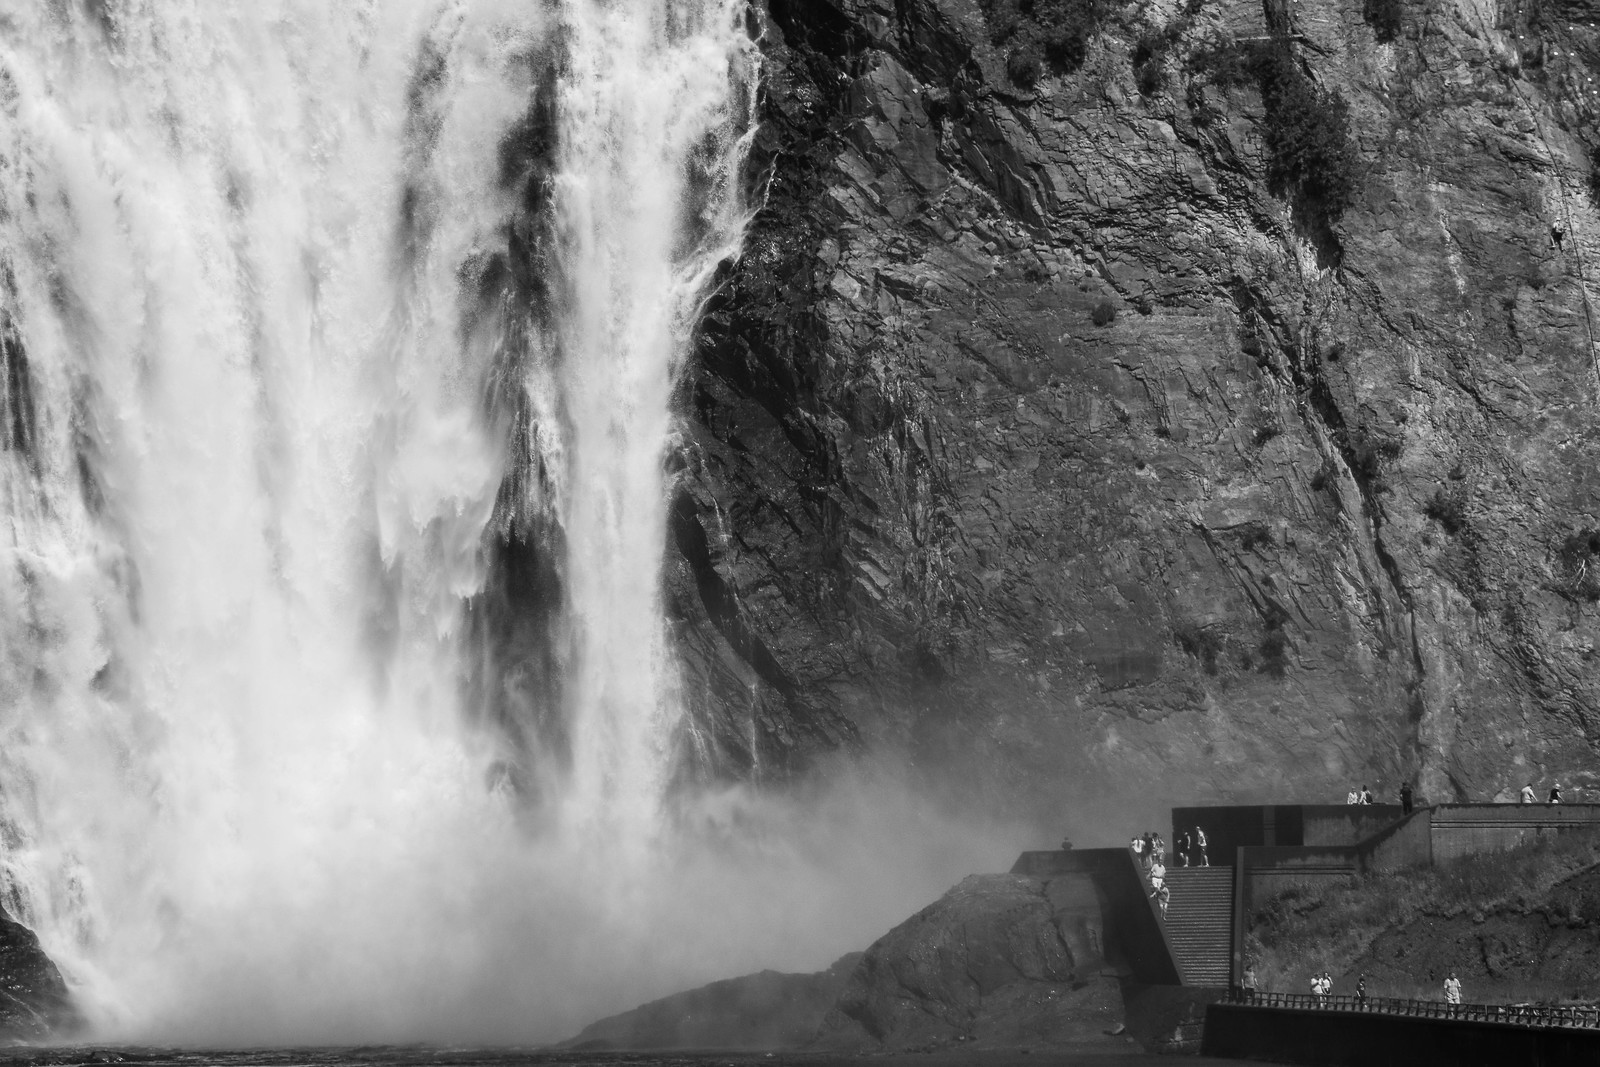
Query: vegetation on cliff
x=1516, y=925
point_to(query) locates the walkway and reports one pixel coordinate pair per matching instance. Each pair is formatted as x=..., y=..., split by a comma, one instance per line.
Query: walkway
x=1582, y=1016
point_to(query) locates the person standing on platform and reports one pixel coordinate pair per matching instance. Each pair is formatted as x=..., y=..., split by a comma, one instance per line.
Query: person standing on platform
x=1452, y=991
x=1527, y=794
x=1249, y=982
x=1555, y=793
x=1182, y=845
x=1200, y=847
x=1405, y=799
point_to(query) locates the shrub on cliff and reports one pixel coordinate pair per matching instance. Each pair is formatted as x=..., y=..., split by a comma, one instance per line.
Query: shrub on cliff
x=1311, y=155
x=1384, y=17
x=1056, y=32
x=1448, y=508
x=1104, y=313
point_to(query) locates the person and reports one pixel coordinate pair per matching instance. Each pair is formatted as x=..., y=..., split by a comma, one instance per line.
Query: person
x=1200, y=846
x=1405, y=799
x=1316, y=985
x=1183, y=846
x=1527, y=794
x=1327, y=987
x=1366, y=795
x=1452, y=990
x=1361, y=991
x=1249, y=982
x=1148, y=856
x=1137, y=844
x=1352, y=797
x=1162, y=895
x=1160, y=847
x=1557, y=232
x=1066, y=844
x=1555, y=793
x=1158, y=874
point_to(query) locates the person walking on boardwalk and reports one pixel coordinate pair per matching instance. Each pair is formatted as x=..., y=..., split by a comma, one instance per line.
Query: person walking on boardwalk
x=1405, y=799
x=1182, y=845
x=1249, y=982
x=1200, y=843
x=1527, y=794
x=1555, y=793
x=1452, y=991
x=1361, y=991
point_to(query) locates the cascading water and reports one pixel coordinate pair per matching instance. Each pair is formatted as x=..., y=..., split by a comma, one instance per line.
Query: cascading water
x=270, y=388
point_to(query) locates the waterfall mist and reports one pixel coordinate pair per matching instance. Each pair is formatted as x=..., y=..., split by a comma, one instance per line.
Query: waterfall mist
x=305, y=308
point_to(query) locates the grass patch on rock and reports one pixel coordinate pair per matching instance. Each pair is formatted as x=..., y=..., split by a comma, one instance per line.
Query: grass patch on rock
x=1332, y=926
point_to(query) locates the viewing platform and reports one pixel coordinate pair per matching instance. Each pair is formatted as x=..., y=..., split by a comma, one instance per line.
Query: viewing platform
x=1340, y=1030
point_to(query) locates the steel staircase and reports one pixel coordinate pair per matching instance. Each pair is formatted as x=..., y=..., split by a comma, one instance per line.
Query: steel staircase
x=1200, y=923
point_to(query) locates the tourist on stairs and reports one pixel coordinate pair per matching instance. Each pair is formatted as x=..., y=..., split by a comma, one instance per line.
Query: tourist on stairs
x=1200, y=847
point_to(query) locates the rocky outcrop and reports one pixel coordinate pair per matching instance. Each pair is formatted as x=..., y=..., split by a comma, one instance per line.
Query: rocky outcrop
x=34, y=1002
x=1046, y=432
x=999, y=961
x=768, y=1010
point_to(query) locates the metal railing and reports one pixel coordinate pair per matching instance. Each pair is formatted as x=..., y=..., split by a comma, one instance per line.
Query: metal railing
x=1584, y=1016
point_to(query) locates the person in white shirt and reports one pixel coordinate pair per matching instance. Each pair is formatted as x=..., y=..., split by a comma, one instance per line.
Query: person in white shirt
x=1452, y=989
x=1352, y=797
x=1527, y=794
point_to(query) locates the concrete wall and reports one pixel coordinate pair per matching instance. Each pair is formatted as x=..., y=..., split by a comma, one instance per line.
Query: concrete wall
x=1271, y=871
x=1408, y=843
x=1471, y=829
x=1348, y=1039
x=1345, y=824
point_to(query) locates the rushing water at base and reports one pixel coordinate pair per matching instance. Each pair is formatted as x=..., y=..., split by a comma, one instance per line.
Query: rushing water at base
x=301, y=304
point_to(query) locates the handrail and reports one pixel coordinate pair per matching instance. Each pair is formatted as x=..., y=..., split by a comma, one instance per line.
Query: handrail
x=1583, y=1016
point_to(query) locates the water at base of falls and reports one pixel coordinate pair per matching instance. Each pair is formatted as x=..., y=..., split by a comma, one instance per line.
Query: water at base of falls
x=301, y=305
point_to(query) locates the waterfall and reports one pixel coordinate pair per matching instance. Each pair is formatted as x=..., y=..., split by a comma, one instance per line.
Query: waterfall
x=304, y=308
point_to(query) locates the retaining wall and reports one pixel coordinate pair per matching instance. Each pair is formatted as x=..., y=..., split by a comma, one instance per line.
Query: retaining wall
x=1472, y=829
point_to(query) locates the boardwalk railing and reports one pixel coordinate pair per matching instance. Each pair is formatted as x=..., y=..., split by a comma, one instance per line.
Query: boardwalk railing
x=1585, y=1016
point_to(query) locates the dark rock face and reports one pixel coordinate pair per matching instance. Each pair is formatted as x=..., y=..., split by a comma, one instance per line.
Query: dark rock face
x=34, y=1002
x=1042, y=433
x=758, y=1011
x=999, y=961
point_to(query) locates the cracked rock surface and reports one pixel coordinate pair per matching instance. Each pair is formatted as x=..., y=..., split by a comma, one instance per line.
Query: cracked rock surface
x=1032, y=435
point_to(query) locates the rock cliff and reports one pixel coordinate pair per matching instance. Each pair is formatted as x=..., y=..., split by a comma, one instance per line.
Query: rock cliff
x=1194, y=398
x=999, y=961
